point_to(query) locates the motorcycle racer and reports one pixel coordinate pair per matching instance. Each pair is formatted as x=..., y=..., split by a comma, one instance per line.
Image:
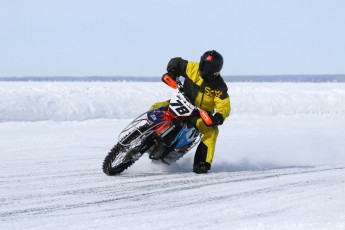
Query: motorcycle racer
x=205, y=88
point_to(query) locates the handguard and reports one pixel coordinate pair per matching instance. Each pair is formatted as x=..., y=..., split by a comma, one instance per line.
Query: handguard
x=167, y=79
x=205, y=117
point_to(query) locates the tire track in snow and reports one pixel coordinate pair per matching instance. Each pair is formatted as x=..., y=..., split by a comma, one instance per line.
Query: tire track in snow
x=135, y=190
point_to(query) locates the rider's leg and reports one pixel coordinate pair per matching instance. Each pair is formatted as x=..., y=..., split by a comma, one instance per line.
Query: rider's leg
x=206, y=148
x=159, y=104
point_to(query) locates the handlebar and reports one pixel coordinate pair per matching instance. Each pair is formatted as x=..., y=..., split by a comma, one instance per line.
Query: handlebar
x=176, y=84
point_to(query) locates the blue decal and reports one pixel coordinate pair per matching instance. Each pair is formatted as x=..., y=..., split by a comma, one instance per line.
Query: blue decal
x=155, y=116
x=186, y=136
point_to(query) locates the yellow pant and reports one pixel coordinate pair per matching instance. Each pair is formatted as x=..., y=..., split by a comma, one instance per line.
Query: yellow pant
x=159, y=104
x=206, y=148
x=209, y=139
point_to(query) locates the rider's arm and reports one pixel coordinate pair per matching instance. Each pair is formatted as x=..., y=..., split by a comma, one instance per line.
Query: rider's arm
x=222, y=103
x=177, y=66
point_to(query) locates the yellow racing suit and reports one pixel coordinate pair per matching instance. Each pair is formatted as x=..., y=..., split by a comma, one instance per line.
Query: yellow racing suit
x=211, y=96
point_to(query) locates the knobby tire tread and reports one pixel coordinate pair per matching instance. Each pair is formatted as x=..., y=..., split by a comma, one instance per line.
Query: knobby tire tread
x=107, y=167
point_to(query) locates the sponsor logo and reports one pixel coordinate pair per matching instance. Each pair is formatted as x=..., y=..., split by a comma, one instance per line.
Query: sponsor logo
x=153, y=117
x=213, y=93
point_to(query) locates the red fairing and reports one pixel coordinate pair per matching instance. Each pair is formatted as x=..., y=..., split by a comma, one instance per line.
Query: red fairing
x=168, y=117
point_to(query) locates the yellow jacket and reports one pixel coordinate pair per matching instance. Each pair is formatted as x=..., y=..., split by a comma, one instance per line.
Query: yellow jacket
x=211, y=96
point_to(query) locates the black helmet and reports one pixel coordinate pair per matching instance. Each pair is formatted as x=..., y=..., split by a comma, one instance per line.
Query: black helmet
x=211, y=63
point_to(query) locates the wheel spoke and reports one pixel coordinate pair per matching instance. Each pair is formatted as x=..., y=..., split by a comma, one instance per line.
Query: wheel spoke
x=125, y=152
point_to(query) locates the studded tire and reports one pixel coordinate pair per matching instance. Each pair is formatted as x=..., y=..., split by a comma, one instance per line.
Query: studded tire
x=120, y=156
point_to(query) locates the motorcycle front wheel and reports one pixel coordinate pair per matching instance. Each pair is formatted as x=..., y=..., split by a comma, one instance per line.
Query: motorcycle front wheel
x=124, y=153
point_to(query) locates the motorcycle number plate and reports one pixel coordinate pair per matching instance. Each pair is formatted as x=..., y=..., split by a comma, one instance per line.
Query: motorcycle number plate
x=180, y=106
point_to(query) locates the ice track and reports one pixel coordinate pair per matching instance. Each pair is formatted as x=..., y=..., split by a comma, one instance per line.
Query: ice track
x=249, y=199
x=51, y=178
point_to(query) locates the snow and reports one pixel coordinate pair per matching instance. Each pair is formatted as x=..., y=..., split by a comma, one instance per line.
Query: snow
x=78, y=101
x=279, y=162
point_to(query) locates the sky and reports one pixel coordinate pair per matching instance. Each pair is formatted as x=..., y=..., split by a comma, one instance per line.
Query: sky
x=138, y=38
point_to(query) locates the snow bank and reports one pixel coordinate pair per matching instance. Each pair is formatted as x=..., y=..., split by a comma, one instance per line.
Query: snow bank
x=77, y=101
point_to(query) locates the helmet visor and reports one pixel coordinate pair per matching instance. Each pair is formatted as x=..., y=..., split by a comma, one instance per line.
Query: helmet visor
x=208, y=69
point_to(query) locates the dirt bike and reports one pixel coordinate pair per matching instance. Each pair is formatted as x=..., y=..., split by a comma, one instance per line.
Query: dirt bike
x=164, y=133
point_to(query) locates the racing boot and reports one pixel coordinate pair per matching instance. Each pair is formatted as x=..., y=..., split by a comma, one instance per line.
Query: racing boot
x=201, y=167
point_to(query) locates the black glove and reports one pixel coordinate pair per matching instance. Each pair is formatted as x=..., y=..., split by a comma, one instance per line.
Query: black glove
x=217, y=119
x=173, y=73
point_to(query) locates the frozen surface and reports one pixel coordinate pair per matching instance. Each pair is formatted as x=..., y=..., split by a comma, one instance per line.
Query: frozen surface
x=264, y=176
x=279, y=162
